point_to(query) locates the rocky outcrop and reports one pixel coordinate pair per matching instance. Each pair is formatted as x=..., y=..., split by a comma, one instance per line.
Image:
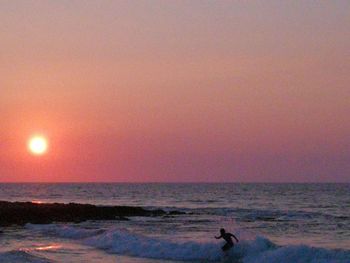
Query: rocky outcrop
x=20, y=213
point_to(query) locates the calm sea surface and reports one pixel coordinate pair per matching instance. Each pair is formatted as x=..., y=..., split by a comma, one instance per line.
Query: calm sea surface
x=274, y=222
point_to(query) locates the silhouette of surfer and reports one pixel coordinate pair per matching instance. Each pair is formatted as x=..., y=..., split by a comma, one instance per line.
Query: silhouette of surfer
x=228, y=238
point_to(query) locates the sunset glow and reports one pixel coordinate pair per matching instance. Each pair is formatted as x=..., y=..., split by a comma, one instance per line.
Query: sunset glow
x=225, y=124
x=164, y=91
x=37, y=145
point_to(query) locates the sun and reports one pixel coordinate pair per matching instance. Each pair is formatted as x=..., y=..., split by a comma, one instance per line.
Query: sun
x=37, y=145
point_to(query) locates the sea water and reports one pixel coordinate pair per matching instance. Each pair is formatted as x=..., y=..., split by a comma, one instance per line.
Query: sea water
x=274, y=223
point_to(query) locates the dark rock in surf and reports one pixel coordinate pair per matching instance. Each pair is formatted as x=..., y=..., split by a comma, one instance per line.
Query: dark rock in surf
x=20, y=213
x=177, y=213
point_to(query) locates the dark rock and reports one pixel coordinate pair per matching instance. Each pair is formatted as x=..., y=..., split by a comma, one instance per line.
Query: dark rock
x=177, y=213
x=20, y=213
x=122, y=218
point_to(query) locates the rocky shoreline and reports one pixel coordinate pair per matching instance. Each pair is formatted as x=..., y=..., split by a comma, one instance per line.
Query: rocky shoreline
x=20, y=213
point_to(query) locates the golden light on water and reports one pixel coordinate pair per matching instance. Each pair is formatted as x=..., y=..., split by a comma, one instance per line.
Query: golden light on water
x=37, y=202
x=49, y=247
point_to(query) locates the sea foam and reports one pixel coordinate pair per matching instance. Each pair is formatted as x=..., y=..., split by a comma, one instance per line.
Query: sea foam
x=259, y=250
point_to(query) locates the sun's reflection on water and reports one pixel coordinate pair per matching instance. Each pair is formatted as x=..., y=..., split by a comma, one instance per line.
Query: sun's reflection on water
x=37, y=202
x=49, y=247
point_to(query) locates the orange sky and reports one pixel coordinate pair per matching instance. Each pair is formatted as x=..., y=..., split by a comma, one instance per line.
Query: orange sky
x=175, y=91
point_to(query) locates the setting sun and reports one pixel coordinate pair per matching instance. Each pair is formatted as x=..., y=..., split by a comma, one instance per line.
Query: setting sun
x=37, y=145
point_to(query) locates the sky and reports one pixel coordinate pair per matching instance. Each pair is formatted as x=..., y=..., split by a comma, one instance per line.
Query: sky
x=175, y=91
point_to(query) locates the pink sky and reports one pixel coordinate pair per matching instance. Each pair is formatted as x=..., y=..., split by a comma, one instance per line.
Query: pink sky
x=176, y=90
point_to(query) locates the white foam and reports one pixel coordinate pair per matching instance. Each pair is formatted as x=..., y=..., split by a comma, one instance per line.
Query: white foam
x=259, y=250
x=140, y=246
x=65, y=231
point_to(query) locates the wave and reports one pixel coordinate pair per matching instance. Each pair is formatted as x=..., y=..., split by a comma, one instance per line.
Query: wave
x=21, y=256
x=259, y=250
x=65, y=231
x=248, y=215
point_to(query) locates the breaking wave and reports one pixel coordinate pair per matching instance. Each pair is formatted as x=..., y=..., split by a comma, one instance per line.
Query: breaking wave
x=259, y=250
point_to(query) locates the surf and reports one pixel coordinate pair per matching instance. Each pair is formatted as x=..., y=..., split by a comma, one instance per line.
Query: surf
x=258, y=250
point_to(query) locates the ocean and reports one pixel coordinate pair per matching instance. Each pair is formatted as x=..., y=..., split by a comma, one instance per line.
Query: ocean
x=274, y=223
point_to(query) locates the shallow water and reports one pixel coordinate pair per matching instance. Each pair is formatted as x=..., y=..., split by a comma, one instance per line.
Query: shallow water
x=274, y=222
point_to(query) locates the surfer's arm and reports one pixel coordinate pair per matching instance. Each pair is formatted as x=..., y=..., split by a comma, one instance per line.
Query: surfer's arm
x=218, y=237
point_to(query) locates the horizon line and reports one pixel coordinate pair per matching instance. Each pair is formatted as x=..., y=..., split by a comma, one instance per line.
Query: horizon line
x=171, y=182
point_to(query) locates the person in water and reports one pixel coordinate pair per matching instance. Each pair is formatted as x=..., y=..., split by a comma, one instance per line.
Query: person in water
x=228, y=238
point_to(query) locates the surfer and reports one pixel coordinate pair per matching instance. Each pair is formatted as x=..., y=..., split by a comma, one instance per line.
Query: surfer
x=228, y=238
